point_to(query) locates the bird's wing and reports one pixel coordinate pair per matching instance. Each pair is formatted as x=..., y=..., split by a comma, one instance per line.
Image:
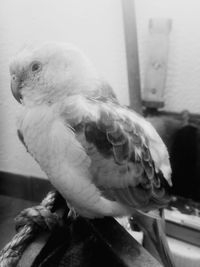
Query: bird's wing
x=129, y=162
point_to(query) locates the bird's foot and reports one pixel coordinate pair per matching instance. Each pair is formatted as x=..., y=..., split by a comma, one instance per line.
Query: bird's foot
x=72, y=214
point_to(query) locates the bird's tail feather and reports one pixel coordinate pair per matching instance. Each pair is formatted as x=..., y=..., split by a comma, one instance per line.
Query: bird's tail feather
x=154, y=230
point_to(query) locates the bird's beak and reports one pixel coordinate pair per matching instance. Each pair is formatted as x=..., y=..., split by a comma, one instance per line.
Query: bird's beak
x=16, y=88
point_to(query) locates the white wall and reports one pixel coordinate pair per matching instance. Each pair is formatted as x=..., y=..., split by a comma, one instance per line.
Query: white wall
x=95, y=26
x=183, y=75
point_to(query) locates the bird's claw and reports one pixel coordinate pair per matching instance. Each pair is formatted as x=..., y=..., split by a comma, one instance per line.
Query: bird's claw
x=72, y=214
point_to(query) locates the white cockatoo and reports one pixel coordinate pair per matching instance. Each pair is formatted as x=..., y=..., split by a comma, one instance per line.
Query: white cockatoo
x=102, y=157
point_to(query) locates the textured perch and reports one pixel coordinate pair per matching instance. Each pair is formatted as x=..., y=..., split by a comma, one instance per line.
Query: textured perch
x=43, y=241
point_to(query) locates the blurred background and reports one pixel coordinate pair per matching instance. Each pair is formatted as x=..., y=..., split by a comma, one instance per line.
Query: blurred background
x=132, y=44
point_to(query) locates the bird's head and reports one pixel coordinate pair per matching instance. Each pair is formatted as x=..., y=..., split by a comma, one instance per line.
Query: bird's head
x=50, y=73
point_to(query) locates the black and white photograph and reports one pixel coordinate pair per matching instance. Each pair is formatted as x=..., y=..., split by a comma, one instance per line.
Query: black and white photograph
x=99, y=133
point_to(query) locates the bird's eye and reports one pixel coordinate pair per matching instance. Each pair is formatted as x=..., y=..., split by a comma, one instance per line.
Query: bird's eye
x=36, y=66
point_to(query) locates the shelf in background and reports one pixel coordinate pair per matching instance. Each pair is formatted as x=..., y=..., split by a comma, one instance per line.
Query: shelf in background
x=183, y=220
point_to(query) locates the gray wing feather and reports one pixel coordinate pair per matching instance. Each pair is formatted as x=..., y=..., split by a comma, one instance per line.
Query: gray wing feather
x=121, y=162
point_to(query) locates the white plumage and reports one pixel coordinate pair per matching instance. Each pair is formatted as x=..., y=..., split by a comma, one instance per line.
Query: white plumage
x=102, y=157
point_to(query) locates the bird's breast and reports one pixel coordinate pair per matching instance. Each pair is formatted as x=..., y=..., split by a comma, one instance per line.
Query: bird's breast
x=50, y=140
x=35, y=124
